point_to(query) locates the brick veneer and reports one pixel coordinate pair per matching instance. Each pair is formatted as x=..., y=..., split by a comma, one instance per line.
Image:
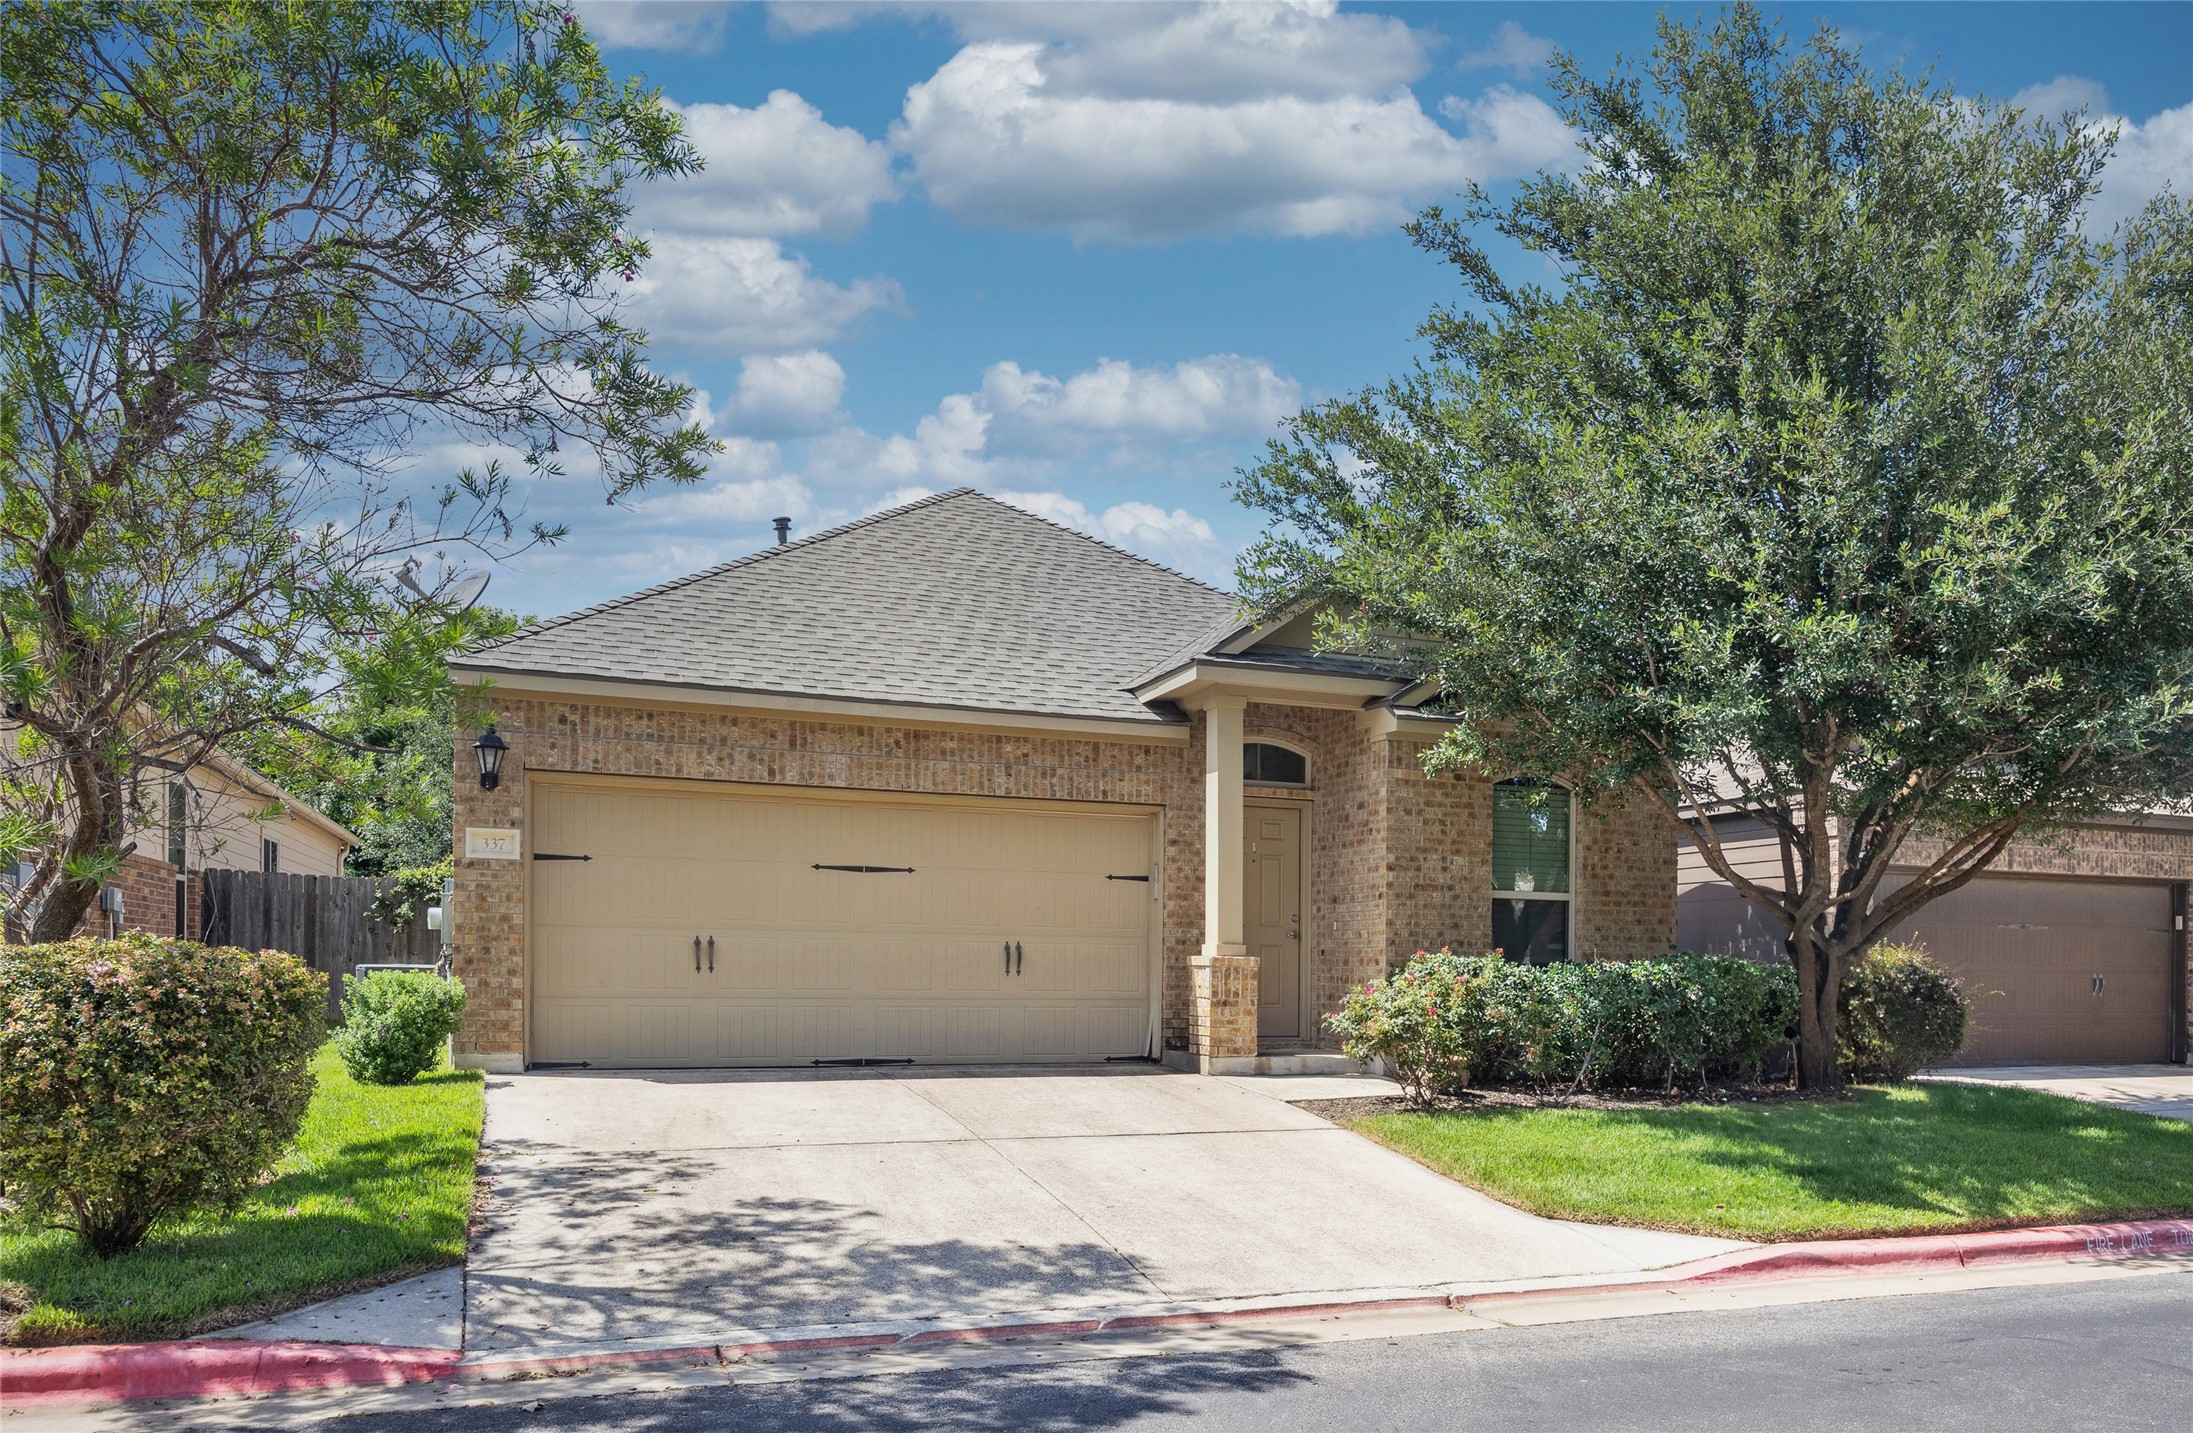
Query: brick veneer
x=1398, y=859
x=148, y=900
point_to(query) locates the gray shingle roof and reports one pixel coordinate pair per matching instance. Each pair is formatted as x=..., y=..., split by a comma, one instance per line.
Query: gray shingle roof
x=956, y=600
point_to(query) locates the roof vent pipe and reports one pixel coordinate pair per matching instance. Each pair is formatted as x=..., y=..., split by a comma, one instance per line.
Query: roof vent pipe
x=784, y=530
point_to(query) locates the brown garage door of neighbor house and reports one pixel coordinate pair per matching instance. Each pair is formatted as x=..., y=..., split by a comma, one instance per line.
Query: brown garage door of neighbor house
x=743, y=927
x=2060, y=972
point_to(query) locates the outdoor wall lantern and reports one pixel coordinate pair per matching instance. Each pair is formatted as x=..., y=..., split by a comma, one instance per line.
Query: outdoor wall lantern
x=489, y=749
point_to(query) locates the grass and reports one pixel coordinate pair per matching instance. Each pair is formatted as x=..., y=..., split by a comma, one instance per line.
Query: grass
x=1901, y=1160
x=378, y=1184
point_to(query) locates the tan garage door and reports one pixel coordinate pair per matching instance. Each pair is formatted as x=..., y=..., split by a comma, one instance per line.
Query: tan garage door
x=811, y=963
x=2061, y=972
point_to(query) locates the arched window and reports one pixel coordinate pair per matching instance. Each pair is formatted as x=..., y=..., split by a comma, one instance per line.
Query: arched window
x=1533, y=854
x=1267, y=763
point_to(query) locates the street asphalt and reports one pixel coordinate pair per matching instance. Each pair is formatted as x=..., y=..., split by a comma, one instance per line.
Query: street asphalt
x=2088, y=1357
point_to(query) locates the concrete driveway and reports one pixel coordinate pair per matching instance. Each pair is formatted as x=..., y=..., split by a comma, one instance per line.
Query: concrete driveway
x=667, y=1207
x=2165, y=1091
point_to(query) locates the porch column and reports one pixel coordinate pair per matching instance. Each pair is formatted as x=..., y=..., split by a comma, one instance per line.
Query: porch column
x=1223, y=974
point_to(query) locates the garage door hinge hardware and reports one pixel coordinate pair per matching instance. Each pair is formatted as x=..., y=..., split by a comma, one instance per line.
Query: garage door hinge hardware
x=1144, y=879
x=550, y=856
x=867, y=870
x=862, y=1062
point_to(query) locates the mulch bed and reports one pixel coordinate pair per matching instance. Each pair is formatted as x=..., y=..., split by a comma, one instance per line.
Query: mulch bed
x=1487, y=1101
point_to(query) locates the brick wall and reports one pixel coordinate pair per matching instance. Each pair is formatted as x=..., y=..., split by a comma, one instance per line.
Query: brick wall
x=1625, y=878
x=545, y=735
x=1398, y=859
x=148, y=901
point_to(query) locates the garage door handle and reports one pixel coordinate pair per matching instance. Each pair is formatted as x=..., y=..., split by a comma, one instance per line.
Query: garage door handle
x=1008, y=957
x=1019, y=955
x=696, y=955
x=711, y=955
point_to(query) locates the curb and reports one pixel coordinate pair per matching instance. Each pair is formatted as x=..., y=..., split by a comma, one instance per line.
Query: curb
x=106, y=1373
x=206, y=1368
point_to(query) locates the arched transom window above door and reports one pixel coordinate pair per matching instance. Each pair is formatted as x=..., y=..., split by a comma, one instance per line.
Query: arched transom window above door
x=1267, y=763
x=1533, y=856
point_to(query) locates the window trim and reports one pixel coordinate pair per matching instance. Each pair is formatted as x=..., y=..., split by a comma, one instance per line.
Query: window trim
x=1309, y=768
x=270, y=855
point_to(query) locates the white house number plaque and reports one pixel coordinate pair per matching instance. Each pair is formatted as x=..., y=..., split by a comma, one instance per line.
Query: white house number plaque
x=491, y=843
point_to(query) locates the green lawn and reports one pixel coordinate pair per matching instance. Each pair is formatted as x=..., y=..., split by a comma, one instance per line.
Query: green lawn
x=1907, y=1159
x=378, y=1183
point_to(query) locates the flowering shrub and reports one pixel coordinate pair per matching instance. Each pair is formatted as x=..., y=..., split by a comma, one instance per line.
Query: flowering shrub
x=141, y=1078
x=394, y=1024
x=1415, y=1022
x=1898, y=1013
x=1445, y=1018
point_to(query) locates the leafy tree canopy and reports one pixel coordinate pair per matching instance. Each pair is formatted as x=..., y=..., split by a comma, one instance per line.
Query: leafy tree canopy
x=1819, y=464
x=256, y=255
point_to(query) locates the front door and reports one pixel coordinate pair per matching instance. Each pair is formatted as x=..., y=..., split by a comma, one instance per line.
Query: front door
x=1272, y=910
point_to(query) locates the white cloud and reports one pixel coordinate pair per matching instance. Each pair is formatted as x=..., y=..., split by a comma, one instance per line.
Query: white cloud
x=787, y=395
x=2052, y=99
x=746, y=295
x=993, y=140
x=1511, y=48
x=2148, y=155
x=689, y=26
x=1020, y=423
x=778, y=168
x=1508, y=133
x=1178, y=536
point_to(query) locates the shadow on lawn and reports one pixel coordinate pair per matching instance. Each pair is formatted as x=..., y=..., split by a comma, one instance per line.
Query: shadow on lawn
x=1972, y=1155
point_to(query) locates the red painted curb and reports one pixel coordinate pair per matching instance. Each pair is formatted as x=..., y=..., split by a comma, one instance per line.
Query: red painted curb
x=1937, y=1251
x=104, y=1373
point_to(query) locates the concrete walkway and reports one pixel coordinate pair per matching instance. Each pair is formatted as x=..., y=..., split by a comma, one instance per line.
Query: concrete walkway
x=666, y=1206
x=2165, y=1091
x=422, y=1312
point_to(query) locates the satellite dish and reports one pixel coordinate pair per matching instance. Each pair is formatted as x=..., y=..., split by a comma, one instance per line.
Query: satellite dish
x=466, y=592
x=408, y=575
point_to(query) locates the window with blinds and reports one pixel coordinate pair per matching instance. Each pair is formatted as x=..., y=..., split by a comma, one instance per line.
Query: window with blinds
x=1532, y=859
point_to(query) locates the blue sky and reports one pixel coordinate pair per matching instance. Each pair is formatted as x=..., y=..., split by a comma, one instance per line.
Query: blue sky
x=1086, y=256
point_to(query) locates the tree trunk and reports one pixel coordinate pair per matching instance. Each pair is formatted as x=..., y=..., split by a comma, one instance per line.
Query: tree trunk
x=1818, y=976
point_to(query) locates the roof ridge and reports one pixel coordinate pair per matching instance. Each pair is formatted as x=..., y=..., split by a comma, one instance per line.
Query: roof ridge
x=774, y=550
x=1100, y=542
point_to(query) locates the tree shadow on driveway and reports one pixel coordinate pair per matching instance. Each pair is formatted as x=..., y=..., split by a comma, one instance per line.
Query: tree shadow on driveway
x=609, y=1249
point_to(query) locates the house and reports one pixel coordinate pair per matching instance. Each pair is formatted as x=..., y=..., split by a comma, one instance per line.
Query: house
x=2072, y=945
x=219, y=815
x=955, y=783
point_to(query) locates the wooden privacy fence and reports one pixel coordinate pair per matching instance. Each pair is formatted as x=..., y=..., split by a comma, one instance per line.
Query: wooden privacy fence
x=326, y=921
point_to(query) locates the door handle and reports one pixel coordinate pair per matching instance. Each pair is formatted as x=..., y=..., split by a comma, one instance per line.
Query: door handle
x=696, y=955
x=1008, y=957
x=711, y=955
x=1019, y=955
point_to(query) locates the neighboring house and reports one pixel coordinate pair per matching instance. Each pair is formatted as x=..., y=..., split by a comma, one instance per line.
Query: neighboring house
x=220, y=815
x=955, y=783
x=2072, y=946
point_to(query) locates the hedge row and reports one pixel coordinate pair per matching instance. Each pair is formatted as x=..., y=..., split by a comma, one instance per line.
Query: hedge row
x=1447, y=1020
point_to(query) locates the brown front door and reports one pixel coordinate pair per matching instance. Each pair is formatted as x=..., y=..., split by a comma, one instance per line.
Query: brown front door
x=2058, y=972
x=1272, y=915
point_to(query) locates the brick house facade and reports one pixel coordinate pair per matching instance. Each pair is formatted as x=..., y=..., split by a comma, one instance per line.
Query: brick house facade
x=960, y=658
x=1399, y=860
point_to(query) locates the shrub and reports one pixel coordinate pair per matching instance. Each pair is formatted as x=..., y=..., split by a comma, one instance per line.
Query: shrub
x=1898, y=1013
x=1401, y=1020
x=394, y=1024
x=141, y=1078
x=1612, y=1023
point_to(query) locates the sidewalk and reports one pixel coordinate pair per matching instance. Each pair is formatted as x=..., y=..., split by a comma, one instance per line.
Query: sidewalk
x=212, y=1368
